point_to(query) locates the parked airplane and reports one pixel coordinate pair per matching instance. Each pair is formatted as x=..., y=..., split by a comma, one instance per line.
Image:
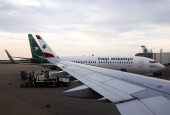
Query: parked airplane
x=9, y=56
x=133, y=94
x=132, y=64
x=145, y=50
x=38, y=56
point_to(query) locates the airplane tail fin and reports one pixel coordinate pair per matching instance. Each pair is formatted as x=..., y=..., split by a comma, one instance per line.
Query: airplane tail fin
x=9, y=56
x=145, y=50
x=35, y=48
x=48, y=52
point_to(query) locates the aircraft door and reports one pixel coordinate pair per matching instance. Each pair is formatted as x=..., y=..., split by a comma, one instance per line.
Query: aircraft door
x=141, y=63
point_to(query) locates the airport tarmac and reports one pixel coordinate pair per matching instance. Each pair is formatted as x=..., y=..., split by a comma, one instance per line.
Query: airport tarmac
x=26, y=101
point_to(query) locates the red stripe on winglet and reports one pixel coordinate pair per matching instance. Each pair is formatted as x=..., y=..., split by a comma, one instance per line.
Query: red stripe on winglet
x=142, y=46
x=47, y=55
x=38, y=37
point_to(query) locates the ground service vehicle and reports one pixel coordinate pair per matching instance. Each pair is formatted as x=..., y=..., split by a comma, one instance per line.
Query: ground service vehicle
x=42, y=79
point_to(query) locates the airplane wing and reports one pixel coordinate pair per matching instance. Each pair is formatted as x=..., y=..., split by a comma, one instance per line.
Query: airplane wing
x=133, y=94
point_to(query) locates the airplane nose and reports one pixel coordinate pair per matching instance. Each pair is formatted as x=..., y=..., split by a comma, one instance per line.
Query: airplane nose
x=161, y=67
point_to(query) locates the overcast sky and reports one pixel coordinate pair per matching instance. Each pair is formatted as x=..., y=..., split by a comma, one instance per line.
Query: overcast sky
x=83, y=27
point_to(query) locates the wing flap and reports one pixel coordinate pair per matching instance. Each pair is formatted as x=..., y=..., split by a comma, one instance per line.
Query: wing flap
x=149, y=93
x=159, y=105
x=134, y=107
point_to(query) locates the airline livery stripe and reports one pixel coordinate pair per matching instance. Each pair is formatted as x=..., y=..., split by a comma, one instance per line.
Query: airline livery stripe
x=47, y=55
x=38, y=37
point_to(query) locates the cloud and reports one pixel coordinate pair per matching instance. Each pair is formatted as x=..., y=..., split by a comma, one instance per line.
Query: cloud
x=56, y=16
x=77, y=23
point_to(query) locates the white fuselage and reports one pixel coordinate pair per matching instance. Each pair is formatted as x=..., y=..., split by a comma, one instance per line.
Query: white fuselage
x=132, y=64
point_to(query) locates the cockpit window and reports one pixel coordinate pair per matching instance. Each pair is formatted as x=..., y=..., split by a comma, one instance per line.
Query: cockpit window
x=152, y=62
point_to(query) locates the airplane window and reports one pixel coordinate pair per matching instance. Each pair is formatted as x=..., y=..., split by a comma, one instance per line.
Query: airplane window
x=126, y=62
x=106, y=61
x=95, y=61
x=131, y=62
x=120, y=62
x=89, y=61
x=101, y=61
x=152, y=62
